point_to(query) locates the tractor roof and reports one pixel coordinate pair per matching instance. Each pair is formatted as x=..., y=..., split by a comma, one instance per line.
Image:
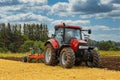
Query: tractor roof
x=67, y=26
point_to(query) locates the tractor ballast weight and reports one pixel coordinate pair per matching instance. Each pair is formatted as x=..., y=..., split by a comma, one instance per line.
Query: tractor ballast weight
x=69, y=48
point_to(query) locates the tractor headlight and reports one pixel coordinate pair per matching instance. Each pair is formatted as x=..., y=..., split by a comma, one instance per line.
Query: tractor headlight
x=83, y=47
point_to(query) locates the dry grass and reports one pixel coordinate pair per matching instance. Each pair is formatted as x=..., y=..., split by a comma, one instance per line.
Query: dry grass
x=18, y=55
x=9, y=54
x=109, y=53
x=13, y=70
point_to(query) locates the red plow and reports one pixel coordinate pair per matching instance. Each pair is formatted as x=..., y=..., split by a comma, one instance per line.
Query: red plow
x=33, y=58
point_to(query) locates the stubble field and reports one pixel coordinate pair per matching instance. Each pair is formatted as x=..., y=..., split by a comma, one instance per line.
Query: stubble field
x=16, y=70
x=11, y=68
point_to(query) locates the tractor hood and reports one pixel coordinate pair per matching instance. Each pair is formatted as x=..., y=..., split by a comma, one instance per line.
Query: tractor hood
x=74, y=43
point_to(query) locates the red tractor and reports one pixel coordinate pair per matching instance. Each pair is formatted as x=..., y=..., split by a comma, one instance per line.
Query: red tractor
x=69, y=48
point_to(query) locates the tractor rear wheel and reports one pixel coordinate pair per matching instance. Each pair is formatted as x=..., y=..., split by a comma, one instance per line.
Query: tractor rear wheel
x=93, y=60
x=67, y=57
x=50, y=56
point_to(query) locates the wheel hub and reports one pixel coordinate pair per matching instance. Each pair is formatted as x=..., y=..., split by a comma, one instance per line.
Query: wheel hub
x=48, y=55
x=64, y=58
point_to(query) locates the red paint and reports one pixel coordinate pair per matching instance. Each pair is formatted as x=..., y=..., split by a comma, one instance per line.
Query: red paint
x=36, y=56
x=69, y=26
x=54, y=43
x=74, y=44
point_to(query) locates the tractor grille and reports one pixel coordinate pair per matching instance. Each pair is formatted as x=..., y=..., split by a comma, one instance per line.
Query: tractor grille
x=80, y=52
x=83, y=46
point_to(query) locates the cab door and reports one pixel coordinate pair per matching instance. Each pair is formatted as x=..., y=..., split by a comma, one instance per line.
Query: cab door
x=59, y=36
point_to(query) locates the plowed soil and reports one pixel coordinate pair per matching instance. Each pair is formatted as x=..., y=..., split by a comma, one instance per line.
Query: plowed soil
x=111, y=62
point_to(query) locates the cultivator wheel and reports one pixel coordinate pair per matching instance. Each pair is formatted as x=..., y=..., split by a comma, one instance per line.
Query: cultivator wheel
x=32, y=60
x=24, y=59
x=67, y=58
x=40, y=60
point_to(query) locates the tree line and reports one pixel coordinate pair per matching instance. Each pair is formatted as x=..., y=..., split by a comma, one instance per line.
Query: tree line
x=19, y=38
x=105, y=45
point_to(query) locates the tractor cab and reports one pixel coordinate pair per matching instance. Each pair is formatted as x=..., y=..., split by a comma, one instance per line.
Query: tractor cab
x=64, y=34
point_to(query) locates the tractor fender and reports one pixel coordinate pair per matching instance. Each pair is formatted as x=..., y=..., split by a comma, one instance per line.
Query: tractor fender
x=53, y=42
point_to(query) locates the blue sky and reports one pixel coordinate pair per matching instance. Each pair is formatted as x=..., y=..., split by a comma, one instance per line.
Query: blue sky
x=102, y=16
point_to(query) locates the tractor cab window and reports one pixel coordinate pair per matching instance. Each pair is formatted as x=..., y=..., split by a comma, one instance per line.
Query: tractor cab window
x=72, y=33
x=59, y=35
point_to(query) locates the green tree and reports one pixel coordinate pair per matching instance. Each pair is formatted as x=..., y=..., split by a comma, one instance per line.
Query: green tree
x=108, y=45
x=26, y=46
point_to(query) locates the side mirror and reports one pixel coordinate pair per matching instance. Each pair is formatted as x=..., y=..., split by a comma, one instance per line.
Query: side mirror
x=86, y=37
x=53, y=35
x=89, y=31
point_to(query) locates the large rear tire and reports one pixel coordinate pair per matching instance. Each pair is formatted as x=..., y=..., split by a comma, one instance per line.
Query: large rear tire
x=94, y=59
x=67, y=58
x=50, y=55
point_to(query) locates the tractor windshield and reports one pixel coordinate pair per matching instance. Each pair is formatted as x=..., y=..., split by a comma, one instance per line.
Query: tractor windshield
x=72, y=33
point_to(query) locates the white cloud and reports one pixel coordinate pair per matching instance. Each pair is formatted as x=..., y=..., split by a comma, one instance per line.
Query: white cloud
x=41, y=9
x=34, y=1
x=103, y=28
x=72, y=22
x=100, y=27
x=117, y=5
x=5, y=0
x=113, y=14
x=8, y=8
x=105, y=1
x=64, y=9
x=24, y=7
x=100, y=9
x=102, y=32
x=72, y=8
x=28, y=17
x=60, y=8
x=100, y=37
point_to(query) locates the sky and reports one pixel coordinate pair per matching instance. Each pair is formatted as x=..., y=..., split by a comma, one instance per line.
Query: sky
x=101, y=16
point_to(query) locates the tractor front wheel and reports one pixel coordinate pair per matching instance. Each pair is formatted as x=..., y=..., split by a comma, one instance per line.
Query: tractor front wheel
x=94, y=59
x=67, y=57
x=50, y=56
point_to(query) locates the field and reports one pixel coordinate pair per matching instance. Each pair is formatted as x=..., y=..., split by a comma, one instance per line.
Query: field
x=17, y=55
x=14, y=69
x=109, y=53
